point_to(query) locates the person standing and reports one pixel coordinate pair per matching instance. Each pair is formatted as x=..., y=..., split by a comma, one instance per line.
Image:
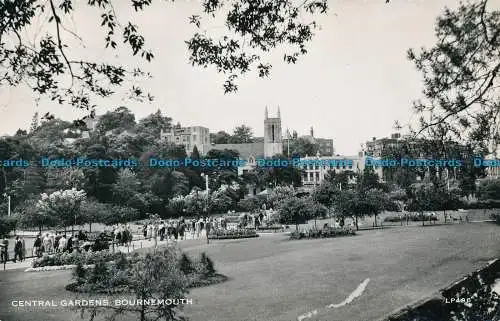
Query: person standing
x=23, y=249
x=62, y=243
x=37, y=246
x=18, y=250
x=70, y=244
x=4, y=250
x=182, y=230
x=76, y=243
x=46, y=243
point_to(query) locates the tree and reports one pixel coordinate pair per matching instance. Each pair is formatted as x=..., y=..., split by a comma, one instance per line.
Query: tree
x=63, y=205
x=251, y=204
x=489, y=189
x=303, y=147
x=92, y=211
x=461, y=72
x=242, y=134
x=152, y=125
x=52, y=69
x=421, y=198
x=28, y=215
x=119, y=119
x=195, y=154
x=278, y=195
x=34, y=123
x=221, y=137
x=7, y=224
x=295, y=210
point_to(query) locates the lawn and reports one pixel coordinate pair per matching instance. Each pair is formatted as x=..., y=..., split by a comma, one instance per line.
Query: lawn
x=272, y=278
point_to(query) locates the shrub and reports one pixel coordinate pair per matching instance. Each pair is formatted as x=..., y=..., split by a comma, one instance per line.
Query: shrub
x=185, y=264
x=328, y=232
x=208, y=264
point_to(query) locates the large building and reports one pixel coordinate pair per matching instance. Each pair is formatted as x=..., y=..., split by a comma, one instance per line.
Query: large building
x=271, y=145
x=189, y=137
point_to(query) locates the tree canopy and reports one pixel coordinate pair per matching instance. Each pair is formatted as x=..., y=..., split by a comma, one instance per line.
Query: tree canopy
x=461, y=77
x=49, y=66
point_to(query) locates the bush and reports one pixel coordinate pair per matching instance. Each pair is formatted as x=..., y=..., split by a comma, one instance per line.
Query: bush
x=185, y=264
x=314, y=233
x=232, y=234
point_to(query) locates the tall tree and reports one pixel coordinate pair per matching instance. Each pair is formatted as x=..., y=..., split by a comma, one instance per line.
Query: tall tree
x=242, y=134
x=461, y=75
x=34, y=122
x=119, y=119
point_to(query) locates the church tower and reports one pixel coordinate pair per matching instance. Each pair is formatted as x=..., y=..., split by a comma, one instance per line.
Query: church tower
x=273, y=143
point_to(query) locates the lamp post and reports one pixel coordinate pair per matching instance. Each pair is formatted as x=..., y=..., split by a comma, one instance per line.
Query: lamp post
x=207, y=228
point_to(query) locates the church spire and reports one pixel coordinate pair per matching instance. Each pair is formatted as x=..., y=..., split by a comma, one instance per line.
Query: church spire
x=265, y=114
x=279, y=114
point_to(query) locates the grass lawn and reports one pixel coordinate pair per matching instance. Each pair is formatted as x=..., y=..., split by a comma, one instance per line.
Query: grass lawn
x=272, y=278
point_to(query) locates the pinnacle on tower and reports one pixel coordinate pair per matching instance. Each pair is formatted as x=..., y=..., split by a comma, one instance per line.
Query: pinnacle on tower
x=266, y=114
x=279, y=114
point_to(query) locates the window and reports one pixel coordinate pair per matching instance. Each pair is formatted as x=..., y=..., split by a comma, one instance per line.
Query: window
x=194, y=137
x=317, y=176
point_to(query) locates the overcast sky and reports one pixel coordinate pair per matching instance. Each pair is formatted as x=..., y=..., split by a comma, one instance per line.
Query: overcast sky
x=352, y=85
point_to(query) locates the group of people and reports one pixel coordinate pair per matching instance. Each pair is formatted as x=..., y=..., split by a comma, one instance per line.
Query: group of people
x=57, y=242
x=122, y=234
x=19, y=250
x=175, y=229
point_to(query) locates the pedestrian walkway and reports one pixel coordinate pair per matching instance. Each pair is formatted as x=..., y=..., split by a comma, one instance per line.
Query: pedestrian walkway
x=138, y=243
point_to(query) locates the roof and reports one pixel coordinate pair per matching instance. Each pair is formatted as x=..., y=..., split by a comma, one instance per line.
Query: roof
x=245, y=150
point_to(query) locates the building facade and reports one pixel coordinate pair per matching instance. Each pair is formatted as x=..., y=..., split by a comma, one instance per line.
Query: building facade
x=314, y=169
x=189, y=137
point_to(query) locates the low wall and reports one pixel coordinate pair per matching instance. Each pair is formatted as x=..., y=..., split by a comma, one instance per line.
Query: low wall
x=436, y=308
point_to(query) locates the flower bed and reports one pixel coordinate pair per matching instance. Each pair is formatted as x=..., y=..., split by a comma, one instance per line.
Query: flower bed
x=411, y=217
x=232, y=234
x=114, y=277
x=321, y=233
x=55, y=268
x=74, y=258
x=271, y=228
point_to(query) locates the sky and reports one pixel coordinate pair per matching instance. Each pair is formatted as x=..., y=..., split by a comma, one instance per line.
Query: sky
x=351, y=86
